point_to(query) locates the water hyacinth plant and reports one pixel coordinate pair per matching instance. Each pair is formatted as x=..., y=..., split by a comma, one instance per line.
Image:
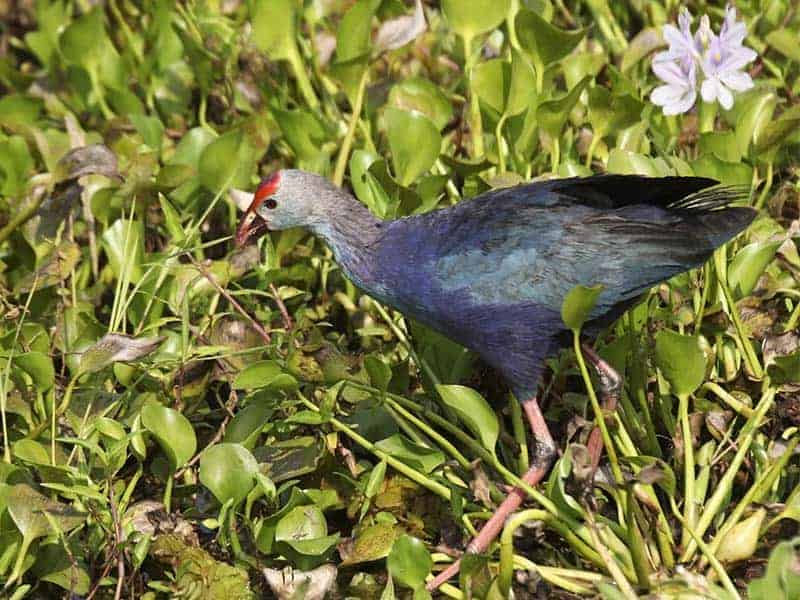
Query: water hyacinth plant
x=712, y=63
x=182, y=418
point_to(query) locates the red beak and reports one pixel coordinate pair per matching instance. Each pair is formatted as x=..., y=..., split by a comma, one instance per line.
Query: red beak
x=252, y=227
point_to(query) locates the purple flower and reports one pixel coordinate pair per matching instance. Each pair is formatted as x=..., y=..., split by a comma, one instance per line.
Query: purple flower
x=723, y=61
x=720, y=59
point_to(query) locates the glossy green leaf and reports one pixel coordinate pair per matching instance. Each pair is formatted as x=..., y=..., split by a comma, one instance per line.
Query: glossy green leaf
x=609, y=113
x=545, y=43
x=755, y=113
x=27, y=507
x=419, y=457
x=247, y=424
x=409, y=562
x=264, y=374
x=228, y=470
x=39, y=366
x=367, y=187
x=173, y=432
x=422, y=95
x=507, y=88
x=578, y=305
x=748, y=265
x=414, y=142
x=474, y=412
x=469, y=18
x=728, y=173
x=553, y=114
x=681, y=361
x=123, y=244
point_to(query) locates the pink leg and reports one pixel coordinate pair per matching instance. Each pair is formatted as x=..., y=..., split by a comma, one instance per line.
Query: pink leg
x=610, y=388
x=542, y=460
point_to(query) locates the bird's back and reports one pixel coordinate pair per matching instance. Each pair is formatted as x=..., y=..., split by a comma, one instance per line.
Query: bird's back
x=493, y=271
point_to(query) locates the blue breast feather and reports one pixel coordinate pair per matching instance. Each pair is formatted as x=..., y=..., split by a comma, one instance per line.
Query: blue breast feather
x=492, y=272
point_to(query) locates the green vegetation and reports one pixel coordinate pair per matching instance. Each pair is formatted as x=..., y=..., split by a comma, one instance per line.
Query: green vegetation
x=184, y=419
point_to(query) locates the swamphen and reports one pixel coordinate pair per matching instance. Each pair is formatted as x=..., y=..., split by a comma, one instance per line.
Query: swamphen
x=491, y=272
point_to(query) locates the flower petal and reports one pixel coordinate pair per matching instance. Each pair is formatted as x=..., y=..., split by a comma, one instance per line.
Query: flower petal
x=684, y=103
x=709, y=89
x=738, y=81
x=724, y=96
x=671, y=73
x=666, y=94
x=737, y=59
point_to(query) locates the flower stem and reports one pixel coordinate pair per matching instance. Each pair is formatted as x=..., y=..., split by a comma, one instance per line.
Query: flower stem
x=344, y=152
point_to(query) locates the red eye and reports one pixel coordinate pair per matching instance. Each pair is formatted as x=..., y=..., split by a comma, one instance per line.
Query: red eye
x=270, y=203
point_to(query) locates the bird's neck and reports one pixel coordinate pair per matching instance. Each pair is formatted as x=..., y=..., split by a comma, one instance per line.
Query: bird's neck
x=351, y=231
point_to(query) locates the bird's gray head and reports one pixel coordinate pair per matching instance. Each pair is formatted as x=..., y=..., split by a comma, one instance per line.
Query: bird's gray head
x=287, y=198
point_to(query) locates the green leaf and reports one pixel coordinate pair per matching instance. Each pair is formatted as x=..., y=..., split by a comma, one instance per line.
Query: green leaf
x=220, y=164
x=247, y=424
x=40, y=368
x=419, y=457
x=375, y=480
x=778, y=130
x=303, y=131
x=553, y=114
x=273, y=23
x=371, y=543
x=367, y=187
x=422, y=95
x=784, y=40
x=681, y=361
x=190, y=148
x=469, y=18
x=643, y=43
x=264, y=374
x=414, y=142
x=27, y=507
x=781, y=581
x=16, y=164
x=609, y=113
x=545, y=43
x=379, y=372
x=728, y=173
x=578, y=305
x=123, y=244
x=229, y=471
x=722, y=144
x=754, y=114
x=173, y=432
x=474, y=411
x=409, y=562
x=741, y=541
x=507, y=88
x=748, y=265
x=151, y=129
x=82, y=41
x=303, y=524
x=353, y=46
